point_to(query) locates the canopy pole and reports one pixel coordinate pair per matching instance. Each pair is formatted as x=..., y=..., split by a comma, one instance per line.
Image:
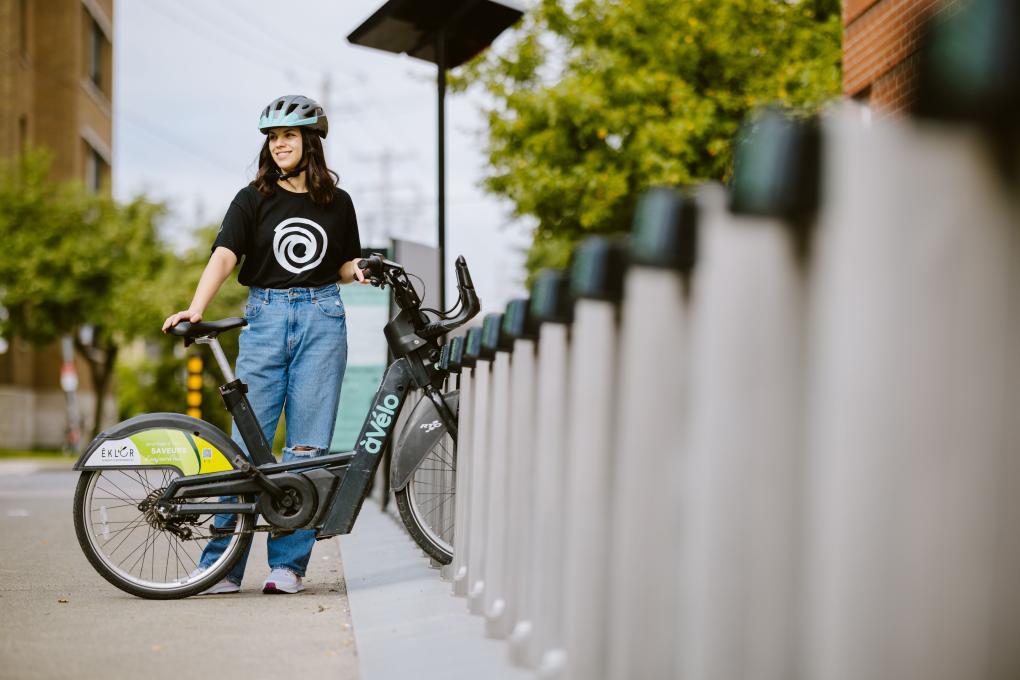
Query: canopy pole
x=441, y=118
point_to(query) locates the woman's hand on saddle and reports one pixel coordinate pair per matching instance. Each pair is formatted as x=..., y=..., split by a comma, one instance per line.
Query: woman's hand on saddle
x=187, y=315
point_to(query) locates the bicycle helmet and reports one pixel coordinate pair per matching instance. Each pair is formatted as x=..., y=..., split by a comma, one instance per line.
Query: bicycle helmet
x=293, y=110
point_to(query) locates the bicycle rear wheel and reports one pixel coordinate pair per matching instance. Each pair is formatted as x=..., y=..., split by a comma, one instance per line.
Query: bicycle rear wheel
x=133, y=548
x=426, y=503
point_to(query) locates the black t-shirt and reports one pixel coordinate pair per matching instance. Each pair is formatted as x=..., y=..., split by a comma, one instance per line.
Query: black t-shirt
x=288, y=241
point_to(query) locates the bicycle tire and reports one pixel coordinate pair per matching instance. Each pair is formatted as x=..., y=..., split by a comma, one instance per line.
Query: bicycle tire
x=92, y=526
x=426, y=503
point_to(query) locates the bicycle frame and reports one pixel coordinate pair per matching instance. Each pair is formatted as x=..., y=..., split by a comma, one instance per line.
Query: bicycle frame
x=347, y=478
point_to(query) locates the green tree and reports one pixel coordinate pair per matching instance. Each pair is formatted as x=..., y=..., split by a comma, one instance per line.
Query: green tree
x=72, y=259
x=597, y=100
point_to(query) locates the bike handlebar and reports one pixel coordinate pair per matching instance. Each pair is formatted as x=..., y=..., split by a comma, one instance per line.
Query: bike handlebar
x=382, y=271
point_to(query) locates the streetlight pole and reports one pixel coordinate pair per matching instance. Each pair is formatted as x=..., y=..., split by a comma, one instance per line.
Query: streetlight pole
x=446, y=34
x=441, y=171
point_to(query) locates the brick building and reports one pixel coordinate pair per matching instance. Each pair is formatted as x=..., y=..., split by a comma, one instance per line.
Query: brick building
x=880, y=48
x=56, y=89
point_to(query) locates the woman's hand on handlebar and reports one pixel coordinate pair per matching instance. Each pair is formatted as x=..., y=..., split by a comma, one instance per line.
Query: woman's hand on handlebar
x=187, y=315
x=351, y=272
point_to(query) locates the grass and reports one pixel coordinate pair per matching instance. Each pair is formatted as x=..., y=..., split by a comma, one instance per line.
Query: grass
x=33, y=453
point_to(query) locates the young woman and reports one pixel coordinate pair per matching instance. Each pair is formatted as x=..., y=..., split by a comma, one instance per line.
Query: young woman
x=297, y=234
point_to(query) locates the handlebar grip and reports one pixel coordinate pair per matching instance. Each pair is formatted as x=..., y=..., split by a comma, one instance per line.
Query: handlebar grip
x=372, y=267
x=463, y=275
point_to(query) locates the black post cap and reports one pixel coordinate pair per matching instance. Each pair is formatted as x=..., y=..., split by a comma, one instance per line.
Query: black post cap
x=493, y=339
x=518, y=322
x=444, y=357
x=456, y=355
x=551, y=301
x=776, y=166
x=472, y=346
x=970, y=65
x=665, y=230
x=598, y=268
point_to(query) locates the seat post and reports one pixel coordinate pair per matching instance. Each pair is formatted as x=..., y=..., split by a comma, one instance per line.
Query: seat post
x=221, y=358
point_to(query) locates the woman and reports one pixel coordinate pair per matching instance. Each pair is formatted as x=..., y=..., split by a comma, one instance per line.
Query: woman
x=298, y=236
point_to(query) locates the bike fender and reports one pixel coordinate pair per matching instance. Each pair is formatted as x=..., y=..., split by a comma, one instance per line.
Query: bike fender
x=422, y=430
x=161, y=440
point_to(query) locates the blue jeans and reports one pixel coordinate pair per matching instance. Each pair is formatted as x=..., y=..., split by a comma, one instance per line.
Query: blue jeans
x=292, y=356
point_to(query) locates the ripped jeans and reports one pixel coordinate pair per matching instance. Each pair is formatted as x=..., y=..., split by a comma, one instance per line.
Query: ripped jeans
x=292, y=356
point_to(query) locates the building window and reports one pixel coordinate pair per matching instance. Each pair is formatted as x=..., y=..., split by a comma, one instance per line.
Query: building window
x=96, y=169
x=96, y=40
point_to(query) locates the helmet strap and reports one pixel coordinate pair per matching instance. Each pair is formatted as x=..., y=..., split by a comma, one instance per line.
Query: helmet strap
x=302, y=166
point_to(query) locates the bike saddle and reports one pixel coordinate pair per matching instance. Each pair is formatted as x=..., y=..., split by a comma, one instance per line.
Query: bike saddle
x=190, y=331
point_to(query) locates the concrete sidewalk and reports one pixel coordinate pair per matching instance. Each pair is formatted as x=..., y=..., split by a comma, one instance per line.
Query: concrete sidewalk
x=60, y=619
x=406, y=620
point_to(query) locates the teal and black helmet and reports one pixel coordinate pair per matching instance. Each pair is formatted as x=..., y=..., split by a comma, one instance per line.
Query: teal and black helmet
x=293, y=110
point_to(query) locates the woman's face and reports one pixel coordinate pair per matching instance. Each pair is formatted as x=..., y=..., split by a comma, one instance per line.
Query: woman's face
x=285, y=145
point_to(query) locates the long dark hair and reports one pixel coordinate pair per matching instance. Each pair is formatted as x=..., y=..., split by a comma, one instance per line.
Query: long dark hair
x=321, y=181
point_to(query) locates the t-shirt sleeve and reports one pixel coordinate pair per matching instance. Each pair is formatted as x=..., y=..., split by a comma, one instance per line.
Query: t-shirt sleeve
x=352, y=248
x=237, y=226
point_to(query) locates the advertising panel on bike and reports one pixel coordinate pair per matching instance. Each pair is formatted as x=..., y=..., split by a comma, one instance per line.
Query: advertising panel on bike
x=160, y=447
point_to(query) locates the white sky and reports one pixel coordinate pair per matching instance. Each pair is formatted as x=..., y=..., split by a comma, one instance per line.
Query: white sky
x=190, y=77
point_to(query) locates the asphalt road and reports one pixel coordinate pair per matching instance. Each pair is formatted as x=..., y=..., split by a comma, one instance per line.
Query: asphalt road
x=60, y=619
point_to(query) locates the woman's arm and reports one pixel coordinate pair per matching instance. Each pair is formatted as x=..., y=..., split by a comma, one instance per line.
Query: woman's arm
x=349, y=272
x=216, y=271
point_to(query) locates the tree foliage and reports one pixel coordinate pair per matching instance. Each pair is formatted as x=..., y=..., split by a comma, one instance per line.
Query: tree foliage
x=597, y=100
x=72, y=259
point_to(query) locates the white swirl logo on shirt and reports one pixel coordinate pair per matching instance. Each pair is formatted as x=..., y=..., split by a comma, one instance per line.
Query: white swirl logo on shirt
x=299, y=244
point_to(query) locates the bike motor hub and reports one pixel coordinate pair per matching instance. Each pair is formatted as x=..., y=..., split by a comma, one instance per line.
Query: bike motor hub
x=295, y=508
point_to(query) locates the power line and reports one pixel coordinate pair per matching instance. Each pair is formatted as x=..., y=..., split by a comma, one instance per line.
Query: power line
x=242, y=15
x=219, y=41
x=170, y=140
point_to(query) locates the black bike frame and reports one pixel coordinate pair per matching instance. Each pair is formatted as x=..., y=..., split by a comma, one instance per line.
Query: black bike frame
x=353, y=470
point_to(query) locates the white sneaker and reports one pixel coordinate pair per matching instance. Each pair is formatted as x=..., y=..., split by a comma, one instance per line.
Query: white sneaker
x=282, y=580
x=224, y=586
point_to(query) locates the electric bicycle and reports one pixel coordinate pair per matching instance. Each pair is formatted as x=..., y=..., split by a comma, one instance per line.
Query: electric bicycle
x=152, y=485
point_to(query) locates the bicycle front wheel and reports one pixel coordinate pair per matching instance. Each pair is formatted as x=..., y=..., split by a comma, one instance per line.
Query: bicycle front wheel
x=135, y=549
x=426, y=503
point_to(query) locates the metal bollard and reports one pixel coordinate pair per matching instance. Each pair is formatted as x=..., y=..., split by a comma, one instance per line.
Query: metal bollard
x=451, y=368
x=579, y=641
x=496, y=341
x=970, y=66
x=519, y=324
x=647, y=481
x=915, y=324
x=480, y=456
x=551, y=306
x=744, y=520
x=464, y=361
